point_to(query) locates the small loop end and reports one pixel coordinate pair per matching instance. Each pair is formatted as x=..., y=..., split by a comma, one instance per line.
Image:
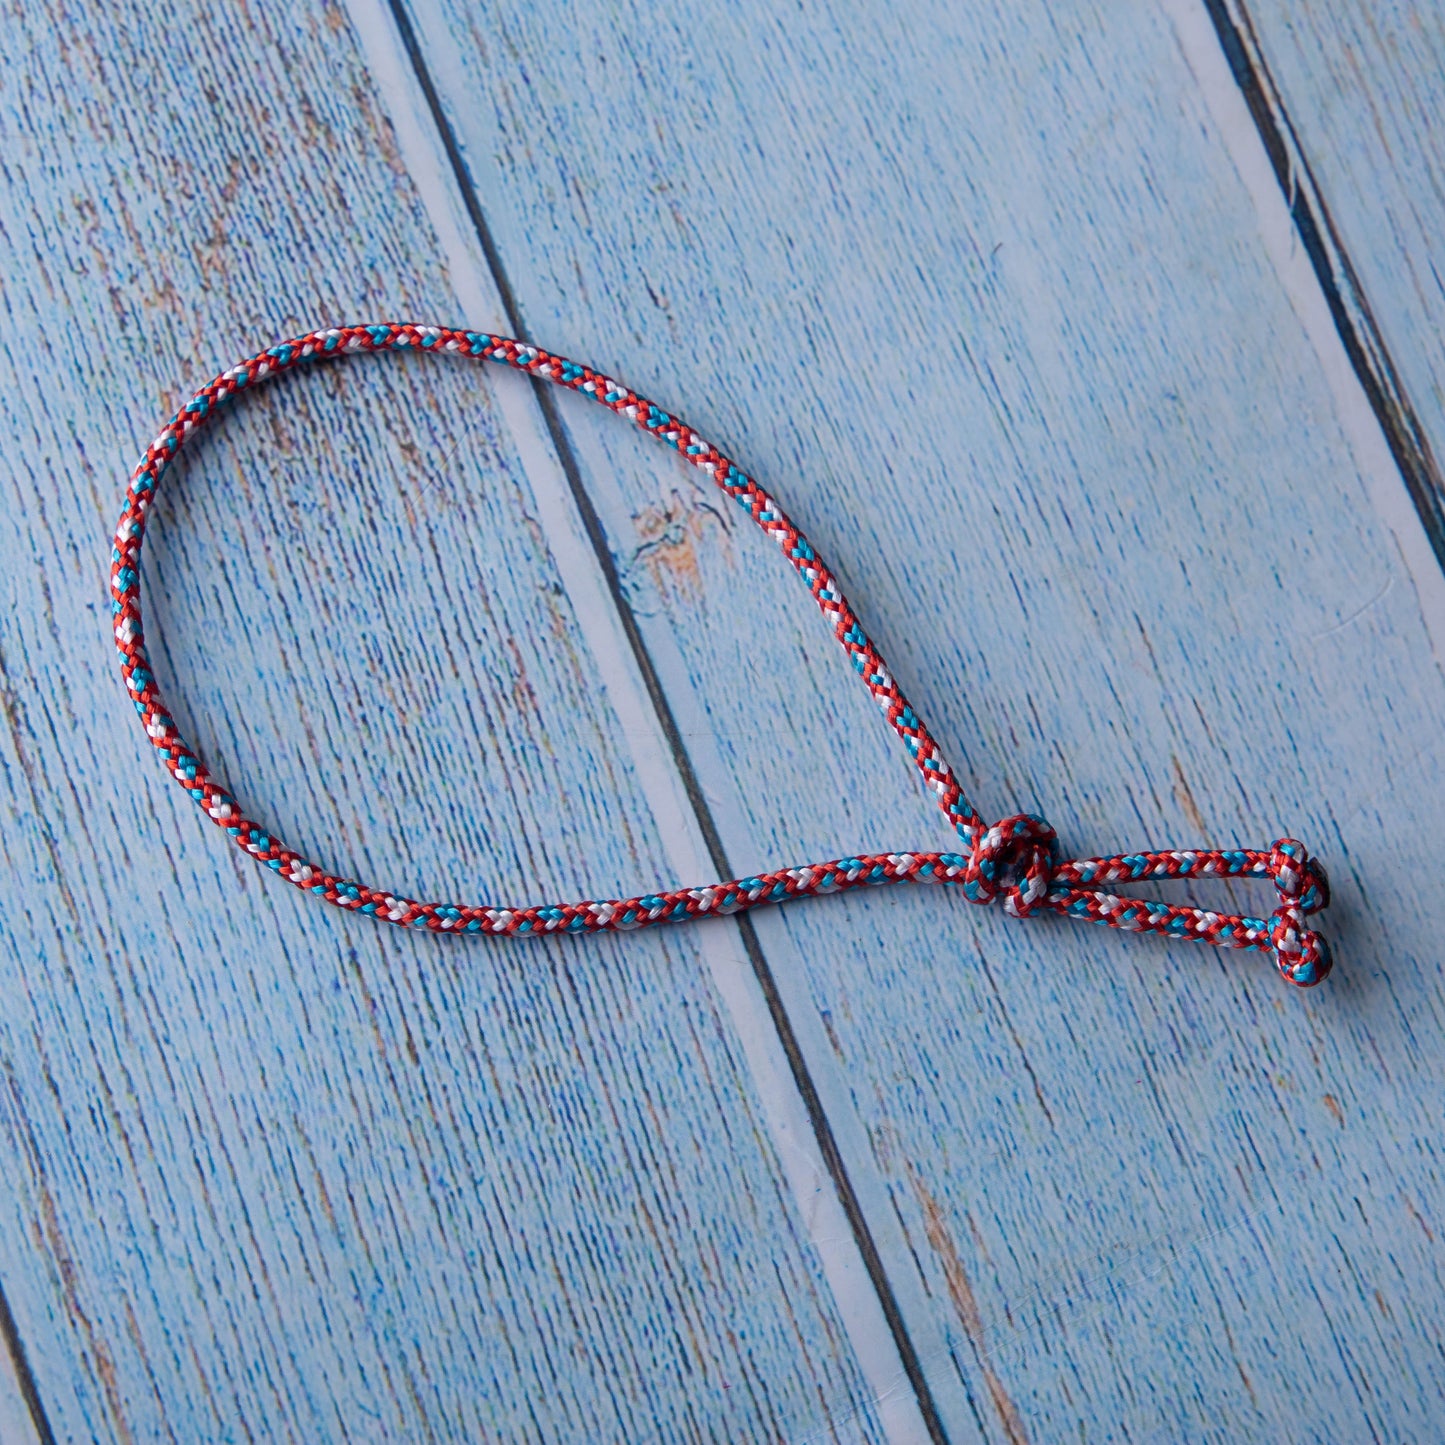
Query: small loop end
x=1302, y=956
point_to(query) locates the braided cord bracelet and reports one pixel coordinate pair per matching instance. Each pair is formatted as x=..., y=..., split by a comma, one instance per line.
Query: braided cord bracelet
x=1017, y=859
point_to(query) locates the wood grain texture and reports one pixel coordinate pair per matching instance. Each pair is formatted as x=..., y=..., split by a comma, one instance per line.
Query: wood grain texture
x=1360, y=96
x=980, y=294
x=272, y=1173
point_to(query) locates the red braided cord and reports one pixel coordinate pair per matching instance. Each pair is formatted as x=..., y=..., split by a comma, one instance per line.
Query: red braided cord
x=1017, y=857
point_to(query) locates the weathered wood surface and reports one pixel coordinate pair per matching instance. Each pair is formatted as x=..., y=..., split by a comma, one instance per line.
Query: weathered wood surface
x=984, y=297
x=272, y=1174
x=988, y=305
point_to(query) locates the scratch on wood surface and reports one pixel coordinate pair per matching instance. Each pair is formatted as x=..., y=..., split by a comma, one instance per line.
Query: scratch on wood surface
x=1418, y=1218
x=22, y=743
x=1361, y=610
x=1184, y=796
x=1017, y=1040
x=104, y=1362
x=965, y=1306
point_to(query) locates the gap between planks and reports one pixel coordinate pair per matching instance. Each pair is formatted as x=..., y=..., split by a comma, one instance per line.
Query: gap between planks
x=1387, y=477
x=873, y=1322
x=1338, y=277
x=22, y=1416
x=665, y=787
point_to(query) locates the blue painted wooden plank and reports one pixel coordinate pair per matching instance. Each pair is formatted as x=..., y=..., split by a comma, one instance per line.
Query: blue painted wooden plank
x=273, y=1173
x=985, y=297
x=1355, y=93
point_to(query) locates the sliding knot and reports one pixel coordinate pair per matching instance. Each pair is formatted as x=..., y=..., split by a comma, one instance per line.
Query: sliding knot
x=1016, y=857
x=1301, y=955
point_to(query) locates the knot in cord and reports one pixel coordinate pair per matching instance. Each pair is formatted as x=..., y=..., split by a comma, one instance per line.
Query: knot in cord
x=1016, y=856
x=1301, y=954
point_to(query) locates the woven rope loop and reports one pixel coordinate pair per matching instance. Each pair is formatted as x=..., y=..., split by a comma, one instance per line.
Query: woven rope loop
x=1300, y=879
x=1301, y=954
x=1018, y=857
